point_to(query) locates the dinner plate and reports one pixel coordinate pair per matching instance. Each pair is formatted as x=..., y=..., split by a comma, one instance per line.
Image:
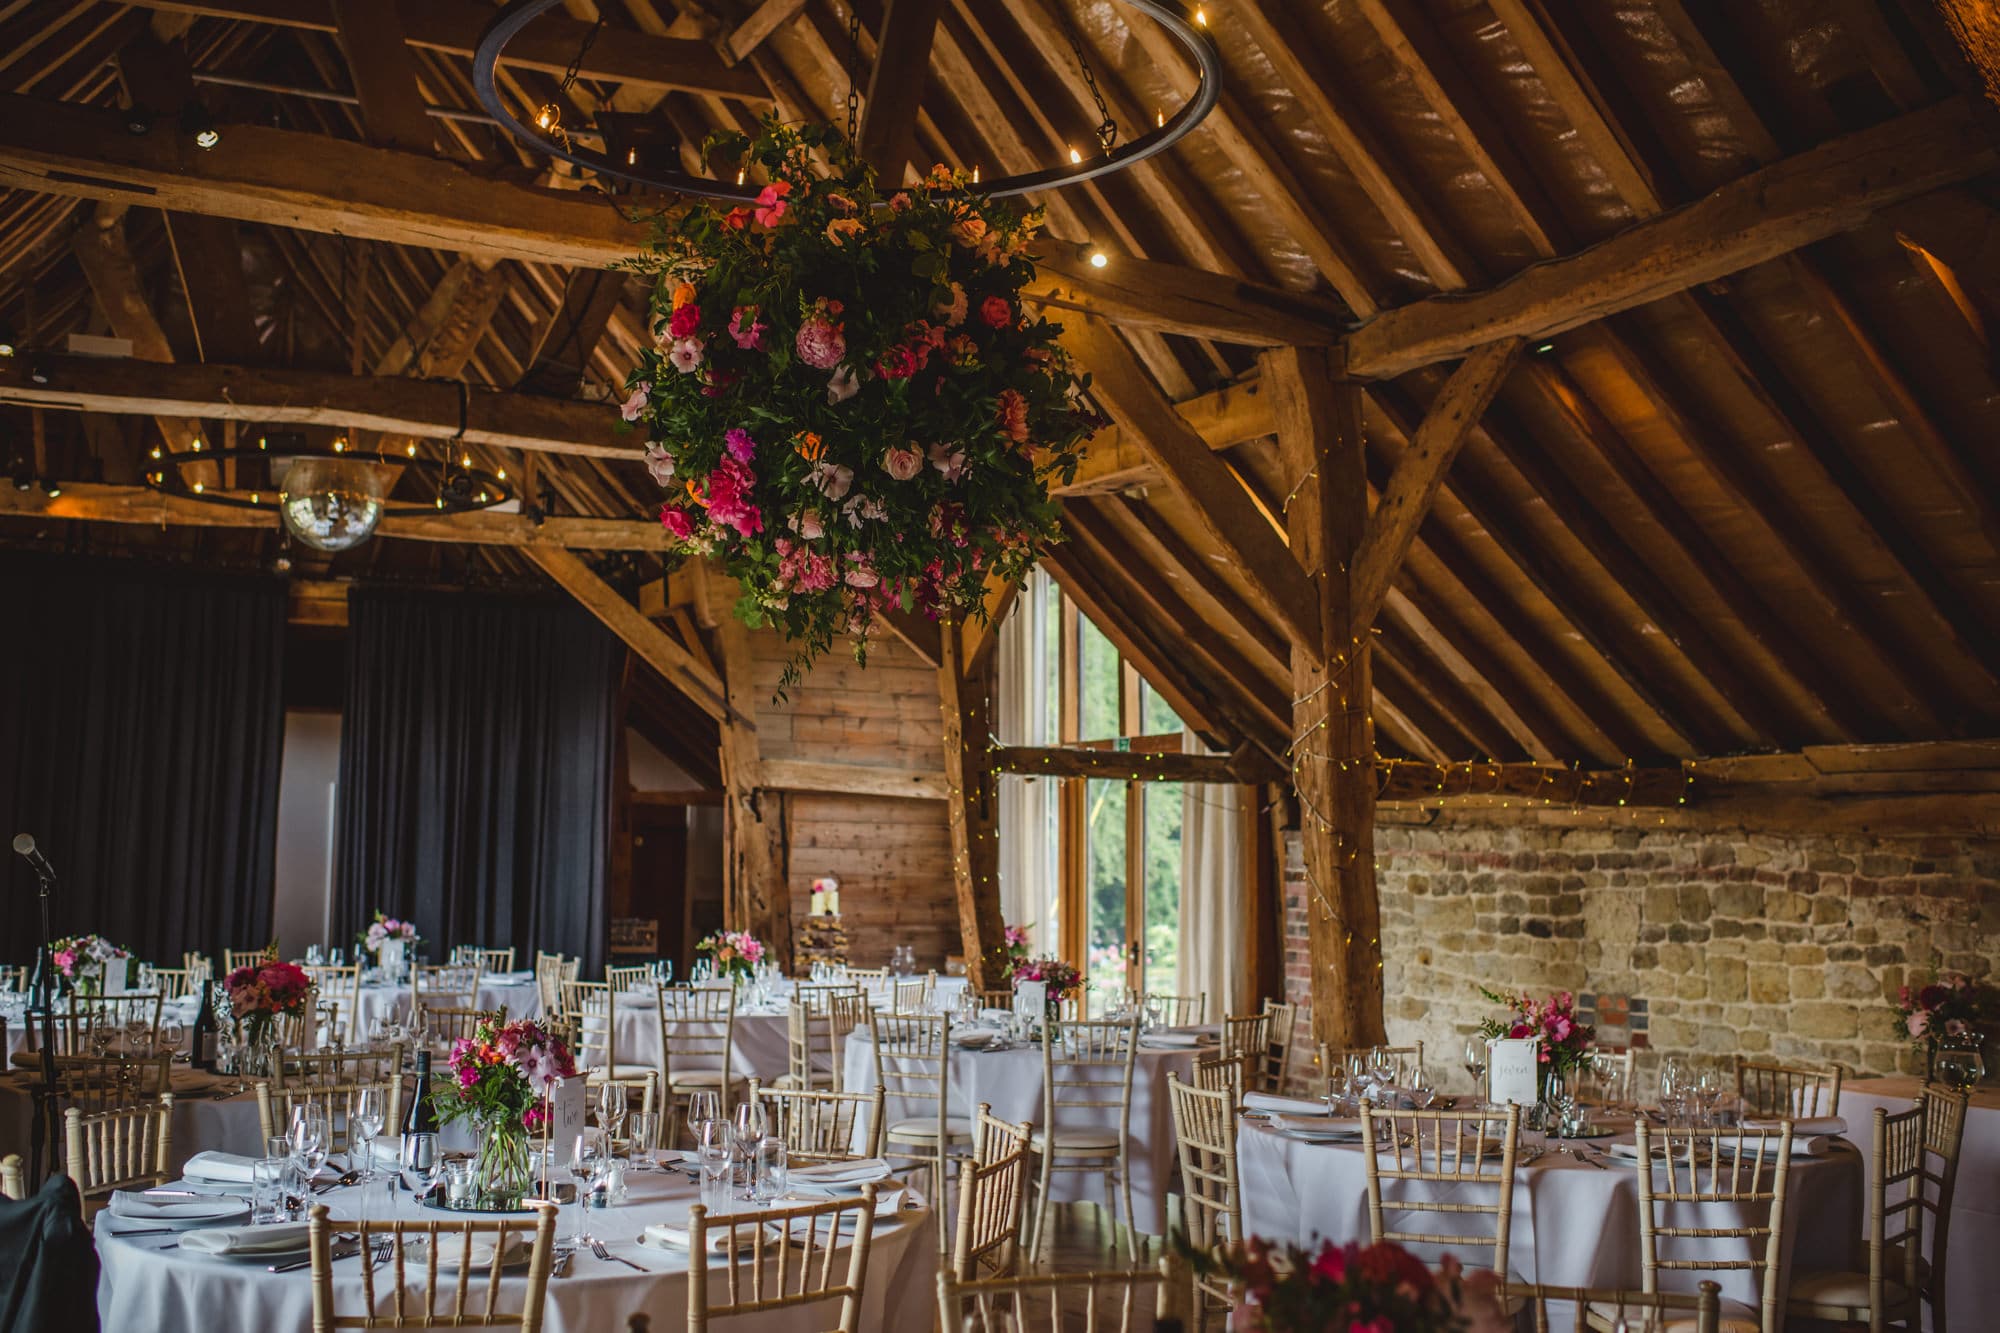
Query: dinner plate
x=189, y=1214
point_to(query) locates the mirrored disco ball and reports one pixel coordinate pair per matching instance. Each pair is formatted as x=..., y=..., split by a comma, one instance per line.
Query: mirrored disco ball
x=332, y=504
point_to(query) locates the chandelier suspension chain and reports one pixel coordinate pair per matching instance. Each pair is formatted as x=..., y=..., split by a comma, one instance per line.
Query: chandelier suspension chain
x=853, y=72
x=1107, y=127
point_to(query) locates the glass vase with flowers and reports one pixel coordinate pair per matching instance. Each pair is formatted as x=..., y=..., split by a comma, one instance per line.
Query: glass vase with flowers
x=259, y=995
x=501, y=1078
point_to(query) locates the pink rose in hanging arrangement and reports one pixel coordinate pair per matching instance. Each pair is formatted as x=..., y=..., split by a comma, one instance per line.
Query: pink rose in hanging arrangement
x=851, y=410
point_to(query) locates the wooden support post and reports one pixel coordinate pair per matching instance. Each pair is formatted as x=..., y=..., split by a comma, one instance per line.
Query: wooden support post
x=1318, y=415
x=972, y=807
x=756, y=892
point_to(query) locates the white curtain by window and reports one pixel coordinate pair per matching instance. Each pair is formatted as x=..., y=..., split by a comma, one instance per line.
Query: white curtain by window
x=1214, y=905
x=1029, y=882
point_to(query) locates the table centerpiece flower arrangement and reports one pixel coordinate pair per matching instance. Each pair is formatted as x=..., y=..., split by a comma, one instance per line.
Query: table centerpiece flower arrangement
x=1353, y=1288
x=390, y=939
x=85, y=961
x=501, y=1078
x=1566, y=1040
x=733, y=953
x=259, y=995
x=847, y=403
x=1061, y=979
x=1946, y=1011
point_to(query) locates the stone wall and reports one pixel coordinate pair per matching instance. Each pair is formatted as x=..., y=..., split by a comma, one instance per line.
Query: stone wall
x=1692, y=942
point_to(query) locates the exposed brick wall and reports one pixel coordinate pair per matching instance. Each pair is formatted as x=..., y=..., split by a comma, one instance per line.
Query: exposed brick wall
x=1703, y=943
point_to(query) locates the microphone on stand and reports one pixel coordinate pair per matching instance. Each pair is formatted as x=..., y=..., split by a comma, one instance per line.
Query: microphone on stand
x=24, y=846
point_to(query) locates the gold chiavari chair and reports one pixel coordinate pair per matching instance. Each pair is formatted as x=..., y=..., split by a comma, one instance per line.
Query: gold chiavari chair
x=496, y=960
x=1273, y=1073
x=642, y=1093
x=845, y=1012
x=1886, y=1290
x=824, y=1126
x=1107, y=1302
x=332, y=1069
x=1087, y=1116
x=1408, y=1059
x=171, y=982
x=1180, y=1011
x=1944, y=1135
x=808, y=1044
x=235, y=958
x=913, y=995
x=780, y=1259
x=1211, y=1205
x=274, y=1108
x=13, y=1177
x=549, y=969
x=341, y=986
x=622, y=979
x=87, y=1013
x=995, y=999
x=1247, y=1037
x=913, y=1066
x=1221, y=1073
x=1633, y=1311
x=591, y=1012
x=992, y=1199
x=93, y=1084
x=131, y=1147
x=445, y=1023
x=868, y=973
x=1458, y=1149
x=697, y=1042
x=470, y=1254
x=1795, y=1092
x=1716, y=1176
x=1613, y=1072
x=452, y=985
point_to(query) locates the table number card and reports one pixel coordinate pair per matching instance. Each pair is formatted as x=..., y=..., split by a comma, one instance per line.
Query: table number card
x=1031, y=998
x=569, y=1106
x=1512, y=1066
x=115, y=976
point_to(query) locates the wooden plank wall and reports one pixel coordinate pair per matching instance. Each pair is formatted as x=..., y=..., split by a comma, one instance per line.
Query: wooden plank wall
x=892, y=855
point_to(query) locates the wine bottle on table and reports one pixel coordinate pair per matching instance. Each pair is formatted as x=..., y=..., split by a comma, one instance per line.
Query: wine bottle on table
x=201, y=1044
x=420, y=1117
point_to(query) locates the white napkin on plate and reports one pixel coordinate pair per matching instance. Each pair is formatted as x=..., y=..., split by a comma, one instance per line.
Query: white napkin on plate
x=133, y=1204
x=1264, y=1101
x=279, y=1238
x=1806, y=1128
x=451, y=1249
x=1803, y=1145
x=1173, y=1038
x=225, y=1167
x=674, y=1236
x=855, y=1174
x=1318, y=1124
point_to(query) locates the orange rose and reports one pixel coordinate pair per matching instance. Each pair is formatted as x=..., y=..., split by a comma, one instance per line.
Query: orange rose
x=683, y=294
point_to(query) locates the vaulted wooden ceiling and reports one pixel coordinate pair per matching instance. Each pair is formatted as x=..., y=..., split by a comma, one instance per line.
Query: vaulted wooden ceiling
x=1739, y=492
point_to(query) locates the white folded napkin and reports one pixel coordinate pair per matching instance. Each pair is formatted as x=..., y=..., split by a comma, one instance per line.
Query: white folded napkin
x=451, y=1250
x=1318, y=1124
x=1811, y=1125
x=1803, y=1145
x=225, y=1167
x=1173, y=1038
x=279, y=1238
x=1264, y=1101
x=133, y=1204
x=855, y=1173
x=674, y=1236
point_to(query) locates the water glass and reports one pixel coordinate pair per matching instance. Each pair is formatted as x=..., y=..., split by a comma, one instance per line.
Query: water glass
x=611, y=1108
x=715, y=1148
x=308, y=1136
x=421, y=1159
x=364, y=1122
x=458, y=1185
x=645, y=1140
x=584, y=1158
x=269, y=1177
x=770, y=1177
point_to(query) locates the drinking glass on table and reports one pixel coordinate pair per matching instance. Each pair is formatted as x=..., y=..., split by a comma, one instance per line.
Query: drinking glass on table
x=1559, y=1092
x=584, y=1155
x=364, y=1122
x=715, y=1149
x=770, y=1176
x=1383, y=1065
x=702, y=1108
x=1359, y=1082
x=422, y=1161
x=1475, y=1063
x=1421, y=1088
x=101, y=1038
x=308, y=1138
x=1672, y=1078
x=611, y=1109
x=268, y=1189
x=173, y=1036
x=645, y=1140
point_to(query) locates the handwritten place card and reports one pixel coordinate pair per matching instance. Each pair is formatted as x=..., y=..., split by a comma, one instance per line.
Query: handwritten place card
x=1031, y=998
x=569, y=1106
x=116, y=976
x=1511, y=1071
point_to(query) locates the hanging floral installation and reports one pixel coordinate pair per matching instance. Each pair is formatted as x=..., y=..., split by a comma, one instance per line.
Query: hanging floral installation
x=847, y=404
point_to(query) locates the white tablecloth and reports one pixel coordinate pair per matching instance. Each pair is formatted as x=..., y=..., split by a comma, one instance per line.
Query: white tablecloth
x=202, y=1122
x=144, y=1286
x=1972, y=1279
x=1574, y=1224
x=1010, y=1082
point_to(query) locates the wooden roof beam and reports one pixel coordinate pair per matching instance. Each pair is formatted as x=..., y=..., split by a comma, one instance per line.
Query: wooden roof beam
x=896, y=81
x=1770, y=212
x=661, y=650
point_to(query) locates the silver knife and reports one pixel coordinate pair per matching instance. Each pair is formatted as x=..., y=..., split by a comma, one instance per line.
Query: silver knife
x=295, y=1265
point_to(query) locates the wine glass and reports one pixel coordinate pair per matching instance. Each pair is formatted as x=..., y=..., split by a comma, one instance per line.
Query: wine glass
x=420, y=1158
x=1559, y=1092
x=583, y=1157
x=715, y=1147
x=752, y=1123
x=364, y=1122
x=308, y=1139
x=137, y=1032
x=1359, y=1082
x=100, y=1038
x=173, y=1036
x=1382, y=1064
x=1708, y=1090
x=611, y=1109
x=1421, y=1088
x=1475, y=1061
x=702, y=1108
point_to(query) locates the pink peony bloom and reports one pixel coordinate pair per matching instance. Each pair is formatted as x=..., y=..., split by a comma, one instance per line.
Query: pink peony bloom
x=899, y=202
x=686, y=355
x=902, y=462
x=820, y=343
x=863, y=574
x=660, y=463
x=729, y=502
x=807, y=524
x=677, y=521
x=635, y=402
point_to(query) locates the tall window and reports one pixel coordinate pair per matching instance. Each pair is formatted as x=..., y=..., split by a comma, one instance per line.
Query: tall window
x=1118, y=843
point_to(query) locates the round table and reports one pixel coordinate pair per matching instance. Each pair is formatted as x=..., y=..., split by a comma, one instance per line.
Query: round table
x=1010, y=1081
x=1575, y=1224
x=145, y=1285
x=202, y=1120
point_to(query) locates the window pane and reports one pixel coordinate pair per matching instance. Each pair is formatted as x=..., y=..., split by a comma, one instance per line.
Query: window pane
x=1163, y=812
x=1104, y=806
x=1159, y=716
x=1098, y=715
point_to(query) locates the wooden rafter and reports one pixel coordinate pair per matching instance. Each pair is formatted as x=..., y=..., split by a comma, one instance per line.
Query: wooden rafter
x=685, y=672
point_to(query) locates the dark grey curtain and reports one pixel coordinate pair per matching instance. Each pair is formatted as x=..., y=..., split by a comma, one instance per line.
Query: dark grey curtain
x=475, y=770
x=141, y=730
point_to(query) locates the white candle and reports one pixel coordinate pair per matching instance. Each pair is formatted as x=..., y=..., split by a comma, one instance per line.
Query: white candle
x=819, y=902
x=833, y=901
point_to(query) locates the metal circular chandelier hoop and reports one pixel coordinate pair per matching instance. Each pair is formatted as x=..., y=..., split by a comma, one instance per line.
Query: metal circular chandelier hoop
x=519, y=14
x=163, y=474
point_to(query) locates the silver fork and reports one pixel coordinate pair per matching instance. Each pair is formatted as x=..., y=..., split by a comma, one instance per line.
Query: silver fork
x=597, y=1248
